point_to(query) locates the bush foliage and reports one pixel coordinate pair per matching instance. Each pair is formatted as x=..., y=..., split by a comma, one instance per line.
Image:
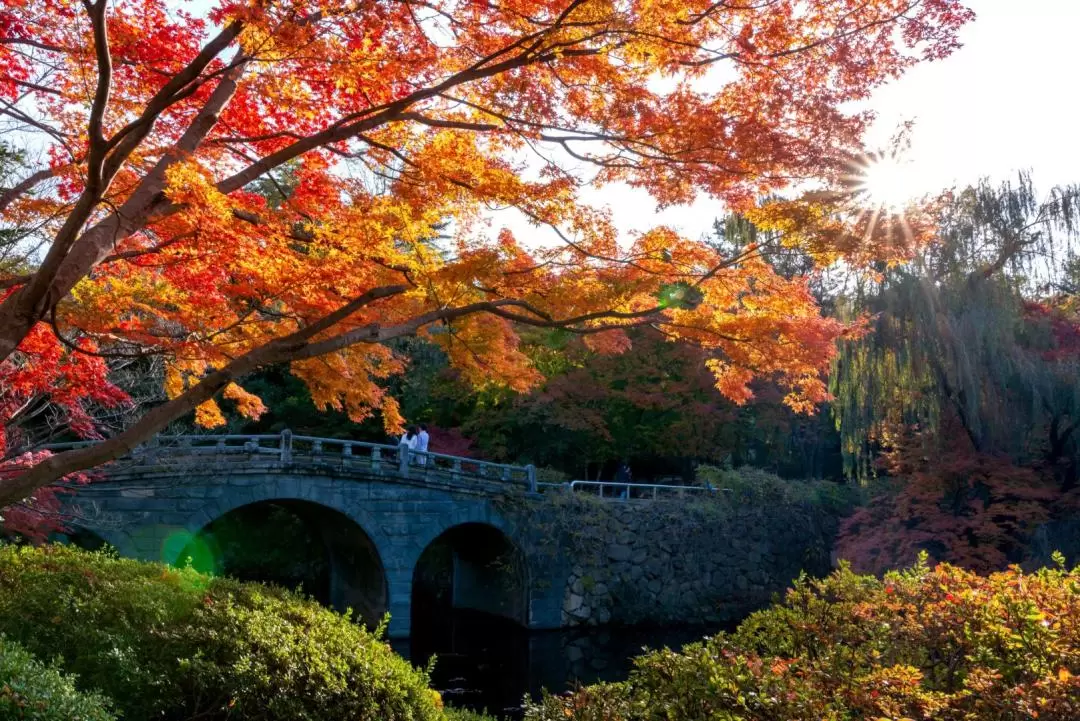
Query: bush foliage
x=458, y=714
x=34, y=691
x=173, y=644
x=756, y=487
x=942, y=644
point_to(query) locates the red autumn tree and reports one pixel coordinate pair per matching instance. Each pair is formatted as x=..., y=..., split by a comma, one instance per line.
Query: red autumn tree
x=398, y=118
x=970, y=508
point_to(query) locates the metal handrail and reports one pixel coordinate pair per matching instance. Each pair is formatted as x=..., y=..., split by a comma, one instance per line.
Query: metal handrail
x=411, y=464
x=626, y=491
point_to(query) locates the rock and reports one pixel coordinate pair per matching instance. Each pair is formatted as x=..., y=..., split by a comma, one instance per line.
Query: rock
x=618, y=552
x=573, y=604
x=574, y=654
x=578, y=587
x=655, y=586
x=600, y=589
x=603, y=615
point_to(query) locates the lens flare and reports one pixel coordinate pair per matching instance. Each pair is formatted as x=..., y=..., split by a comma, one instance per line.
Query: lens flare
x=890, y=183
x=184, y=549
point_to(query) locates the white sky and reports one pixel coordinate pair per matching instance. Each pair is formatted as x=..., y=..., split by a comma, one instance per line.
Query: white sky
x=1006, y=101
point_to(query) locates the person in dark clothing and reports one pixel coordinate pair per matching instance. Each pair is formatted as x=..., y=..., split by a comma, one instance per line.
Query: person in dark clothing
x=623, y=475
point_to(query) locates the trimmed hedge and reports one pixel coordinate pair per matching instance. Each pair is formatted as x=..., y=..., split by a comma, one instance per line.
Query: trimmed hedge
x=33, y=691
x=925, y=644
x=172, y=644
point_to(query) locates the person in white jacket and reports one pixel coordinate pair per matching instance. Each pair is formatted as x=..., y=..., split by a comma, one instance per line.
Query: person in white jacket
x=409, y=442
x=422, y=440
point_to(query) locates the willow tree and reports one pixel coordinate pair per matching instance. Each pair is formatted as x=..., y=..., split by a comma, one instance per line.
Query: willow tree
x=979, y=330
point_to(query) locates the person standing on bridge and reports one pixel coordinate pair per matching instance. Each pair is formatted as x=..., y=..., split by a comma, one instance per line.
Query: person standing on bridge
x=624, y=476
x=422, y=440
x=409, y=442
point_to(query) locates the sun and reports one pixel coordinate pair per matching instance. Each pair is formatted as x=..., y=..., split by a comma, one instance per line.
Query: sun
x=889, y=182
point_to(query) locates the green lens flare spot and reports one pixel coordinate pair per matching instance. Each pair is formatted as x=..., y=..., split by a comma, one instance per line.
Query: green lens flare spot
x=186, y=550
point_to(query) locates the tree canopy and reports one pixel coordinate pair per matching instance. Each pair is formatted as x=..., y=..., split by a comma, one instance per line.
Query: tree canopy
x=390, y=129
x=965, y=392
x=980, y=331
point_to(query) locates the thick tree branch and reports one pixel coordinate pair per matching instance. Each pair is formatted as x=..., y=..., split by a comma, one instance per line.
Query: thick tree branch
x=27, y=184
x=15, y=487
x=71, y=257
x=295, y=346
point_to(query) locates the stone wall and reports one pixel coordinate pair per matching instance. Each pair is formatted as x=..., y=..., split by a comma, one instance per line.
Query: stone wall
x=678, y=561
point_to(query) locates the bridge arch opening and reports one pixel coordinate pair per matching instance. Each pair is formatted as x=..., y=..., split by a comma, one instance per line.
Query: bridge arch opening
x=470, y=610
x=296, y=544
x=471, y=567
x=79, y=537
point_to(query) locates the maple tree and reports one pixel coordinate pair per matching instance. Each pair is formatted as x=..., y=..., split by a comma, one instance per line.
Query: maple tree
x=400, y=123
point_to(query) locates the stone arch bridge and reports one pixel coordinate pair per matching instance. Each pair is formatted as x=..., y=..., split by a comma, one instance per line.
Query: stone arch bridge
x=391, y=524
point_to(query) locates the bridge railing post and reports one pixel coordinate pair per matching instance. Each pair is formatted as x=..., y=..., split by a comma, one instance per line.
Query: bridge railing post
x=403, y=460
x=376, y=460
x=530, y=474
x=285, y=446
x=455, y=470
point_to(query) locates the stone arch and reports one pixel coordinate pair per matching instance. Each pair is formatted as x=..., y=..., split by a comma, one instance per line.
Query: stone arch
x=475, y=566
x=243, y=489
x=82, y=537
x=346, y=569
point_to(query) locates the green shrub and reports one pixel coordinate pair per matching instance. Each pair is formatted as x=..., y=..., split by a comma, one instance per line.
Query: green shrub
x=458, y=714
x=551, y=475
x=754, y=486
x=173, y=644
x=942, y=644
x=33, y=691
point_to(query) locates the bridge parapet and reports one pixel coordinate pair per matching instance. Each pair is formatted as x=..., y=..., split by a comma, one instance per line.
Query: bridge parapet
x=289, y=449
